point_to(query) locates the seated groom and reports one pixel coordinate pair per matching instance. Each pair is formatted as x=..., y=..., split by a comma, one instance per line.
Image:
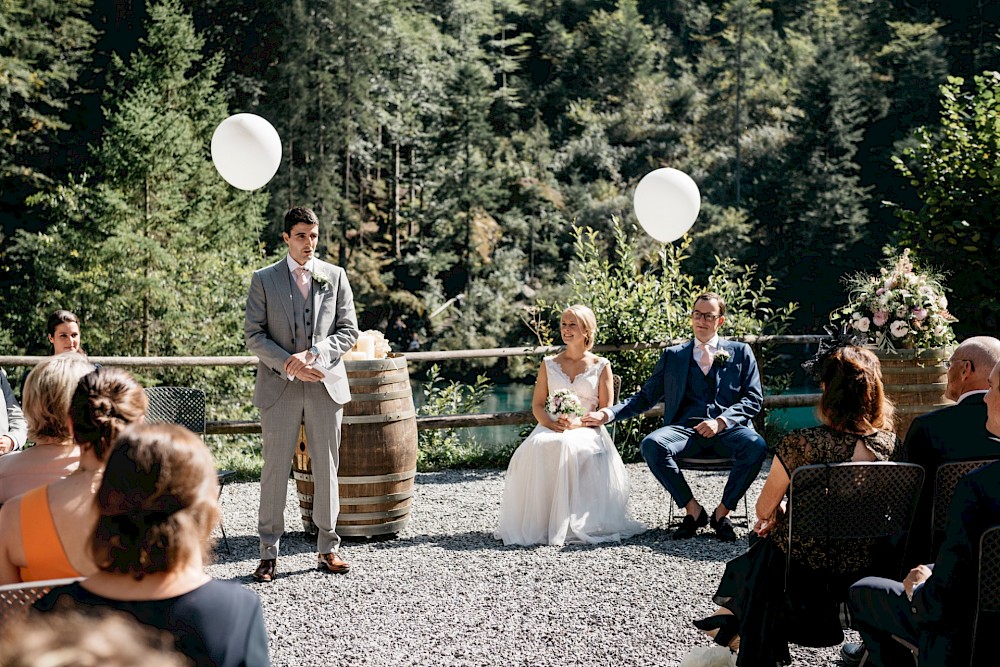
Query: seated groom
x=711, y=392
x=933, y=607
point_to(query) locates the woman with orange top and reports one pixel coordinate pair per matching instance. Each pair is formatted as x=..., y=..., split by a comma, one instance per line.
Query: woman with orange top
x=45, y=533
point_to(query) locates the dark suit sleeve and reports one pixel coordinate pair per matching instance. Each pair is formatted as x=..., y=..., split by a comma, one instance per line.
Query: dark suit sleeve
x=650, y=394
x=751, y=393
x=948, y=590
x=917, y=447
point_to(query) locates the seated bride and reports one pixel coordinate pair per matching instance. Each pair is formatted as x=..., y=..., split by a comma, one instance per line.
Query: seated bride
x=566, y=483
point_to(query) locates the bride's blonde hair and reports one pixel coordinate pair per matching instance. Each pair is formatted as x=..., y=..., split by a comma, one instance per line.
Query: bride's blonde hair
x=585, y=317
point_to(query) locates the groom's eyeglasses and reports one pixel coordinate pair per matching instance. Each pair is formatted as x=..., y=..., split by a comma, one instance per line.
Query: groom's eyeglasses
x=708, y=317
x=950, y=362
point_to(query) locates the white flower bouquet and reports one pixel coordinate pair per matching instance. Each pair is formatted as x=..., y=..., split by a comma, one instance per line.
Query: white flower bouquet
x=564, y=402
x=900, y=308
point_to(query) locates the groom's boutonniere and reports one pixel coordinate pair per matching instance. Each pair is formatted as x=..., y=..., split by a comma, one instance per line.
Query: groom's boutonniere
x=721, y=357
x=320, y=280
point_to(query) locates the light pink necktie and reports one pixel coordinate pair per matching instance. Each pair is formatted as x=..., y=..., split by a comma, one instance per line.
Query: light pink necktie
x=706, y=361
x=302, y=280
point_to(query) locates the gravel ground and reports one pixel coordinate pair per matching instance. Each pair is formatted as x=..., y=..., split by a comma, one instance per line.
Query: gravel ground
x=444, y=592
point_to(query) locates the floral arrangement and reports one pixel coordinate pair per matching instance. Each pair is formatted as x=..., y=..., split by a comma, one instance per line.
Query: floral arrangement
x=320, y=280
x=720, y=358
x=381, y=344
x=564, y=402
x=900, y=308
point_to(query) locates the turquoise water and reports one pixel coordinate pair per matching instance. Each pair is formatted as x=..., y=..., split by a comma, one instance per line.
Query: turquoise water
x=517, y=397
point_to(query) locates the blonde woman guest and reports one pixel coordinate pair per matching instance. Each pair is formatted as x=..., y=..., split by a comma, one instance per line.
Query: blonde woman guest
x=47, y=394
x=157, y=506
x=566, y=482
x=46, y=533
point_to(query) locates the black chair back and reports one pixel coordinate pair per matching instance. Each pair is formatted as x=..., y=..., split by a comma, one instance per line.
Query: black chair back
x=177, y=405
x=989, y=582
x=945, y=480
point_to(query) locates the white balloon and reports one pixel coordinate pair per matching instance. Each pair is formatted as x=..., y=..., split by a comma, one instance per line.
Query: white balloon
x=246, y=149
x=666, y=202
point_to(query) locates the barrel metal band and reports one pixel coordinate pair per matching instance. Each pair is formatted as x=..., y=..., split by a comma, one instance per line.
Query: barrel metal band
x=383, y=396
x=380, y=419
x=370, y=479
x=388, y=378
x=365, y=516
x=376, y=500
x=305, y=498
x=373, y=529
x=302, y=476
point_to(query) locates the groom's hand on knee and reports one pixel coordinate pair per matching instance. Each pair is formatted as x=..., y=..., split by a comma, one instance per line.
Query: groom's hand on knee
x=708, y=428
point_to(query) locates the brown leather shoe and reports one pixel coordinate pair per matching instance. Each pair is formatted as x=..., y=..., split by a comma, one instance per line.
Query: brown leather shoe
x=265, y=571
x=332, y=563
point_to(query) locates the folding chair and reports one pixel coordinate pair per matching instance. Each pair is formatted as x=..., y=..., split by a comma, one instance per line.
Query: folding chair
x=185, y=406
x=16, y=599
x=708, y=464
x=988, y=598
x=945, y=481
x=841, y=504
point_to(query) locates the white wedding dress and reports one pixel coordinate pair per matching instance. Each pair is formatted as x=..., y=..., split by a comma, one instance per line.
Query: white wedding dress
x=568, y=487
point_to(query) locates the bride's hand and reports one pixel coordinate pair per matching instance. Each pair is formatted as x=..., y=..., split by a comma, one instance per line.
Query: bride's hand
x=558, y=425
x=574, y=422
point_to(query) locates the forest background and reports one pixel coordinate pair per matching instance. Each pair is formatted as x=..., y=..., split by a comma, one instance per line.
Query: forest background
x=457, y=151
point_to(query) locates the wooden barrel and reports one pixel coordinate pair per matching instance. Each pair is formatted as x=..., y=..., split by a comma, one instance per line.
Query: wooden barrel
x=378, y=452
x=915, y=381
x=304, y=485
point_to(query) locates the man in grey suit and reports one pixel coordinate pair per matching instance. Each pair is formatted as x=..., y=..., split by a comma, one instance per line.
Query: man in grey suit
x=13, y=428
x=300, y=320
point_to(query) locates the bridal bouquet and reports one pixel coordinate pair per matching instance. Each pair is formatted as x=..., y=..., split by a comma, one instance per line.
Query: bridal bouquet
x=564, y=402
x=899, y=308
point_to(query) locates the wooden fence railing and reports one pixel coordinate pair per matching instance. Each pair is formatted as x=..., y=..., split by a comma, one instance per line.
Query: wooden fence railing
x=231, y=427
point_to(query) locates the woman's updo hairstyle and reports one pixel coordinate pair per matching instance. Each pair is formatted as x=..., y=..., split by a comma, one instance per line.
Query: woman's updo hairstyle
x=157, y=503
x=853, y=397
x=104, y=403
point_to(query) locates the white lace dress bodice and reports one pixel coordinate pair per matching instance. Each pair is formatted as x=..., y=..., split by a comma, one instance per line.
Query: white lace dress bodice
x=570, y=486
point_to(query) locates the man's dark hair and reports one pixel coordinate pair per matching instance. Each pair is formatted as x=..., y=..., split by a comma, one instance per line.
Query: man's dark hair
x=708, y=296
x=299, y=214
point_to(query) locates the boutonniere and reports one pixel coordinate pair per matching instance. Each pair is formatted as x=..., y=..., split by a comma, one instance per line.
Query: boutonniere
x=721, y=357
x=320, y=280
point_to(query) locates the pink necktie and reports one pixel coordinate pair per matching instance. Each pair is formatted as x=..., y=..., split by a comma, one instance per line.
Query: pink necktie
x=706, y=361
x=302, y=279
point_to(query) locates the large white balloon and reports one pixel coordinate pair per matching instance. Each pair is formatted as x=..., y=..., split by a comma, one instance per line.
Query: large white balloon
x=666, y=202
x=246, y=150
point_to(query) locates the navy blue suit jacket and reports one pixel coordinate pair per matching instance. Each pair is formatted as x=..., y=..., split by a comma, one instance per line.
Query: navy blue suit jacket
x=944, y=604
x=737, y=385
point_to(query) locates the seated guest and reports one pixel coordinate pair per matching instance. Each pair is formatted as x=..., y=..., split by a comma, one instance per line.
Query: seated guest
x=857, y=422
x=157, y=506
x=70, y=639
x=13, y=428
x=933, y=607
x=46, y=533
x=955, y=433
x=47, y=393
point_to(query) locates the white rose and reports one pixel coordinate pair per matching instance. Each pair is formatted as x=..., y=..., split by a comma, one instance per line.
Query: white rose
x=899, y=328
x=863, y=324
x=943, y=302
x=901, y=311
x=856, y=316
x=940, y=330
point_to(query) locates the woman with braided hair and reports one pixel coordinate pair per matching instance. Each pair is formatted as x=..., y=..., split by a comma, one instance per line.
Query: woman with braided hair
x=157, y=507
x=45, y=533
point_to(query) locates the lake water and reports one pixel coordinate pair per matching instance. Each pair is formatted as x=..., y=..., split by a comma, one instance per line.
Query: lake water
x=517, y=397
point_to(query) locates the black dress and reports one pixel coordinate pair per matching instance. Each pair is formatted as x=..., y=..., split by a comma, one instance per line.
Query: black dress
x=753, y=585
x=218, y=624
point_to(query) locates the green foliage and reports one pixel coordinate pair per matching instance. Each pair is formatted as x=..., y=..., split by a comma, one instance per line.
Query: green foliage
x=956, y=174
x=444, y=448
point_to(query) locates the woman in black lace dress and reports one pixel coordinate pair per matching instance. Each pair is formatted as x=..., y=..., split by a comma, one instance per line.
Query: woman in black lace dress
x=857, y=423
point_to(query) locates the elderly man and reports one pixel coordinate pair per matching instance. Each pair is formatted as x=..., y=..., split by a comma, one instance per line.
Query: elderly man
x=955, y=433
x=13, y=428
x=932, y=607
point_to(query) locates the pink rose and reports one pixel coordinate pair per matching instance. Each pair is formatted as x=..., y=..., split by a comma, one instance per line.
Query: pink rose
x=880, y=318
x=880, y=291
x=919, y=313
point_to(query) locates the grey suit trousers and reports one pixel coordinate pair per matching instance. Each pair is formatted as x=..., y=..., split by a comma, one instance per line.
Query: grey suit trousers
x=310, y=403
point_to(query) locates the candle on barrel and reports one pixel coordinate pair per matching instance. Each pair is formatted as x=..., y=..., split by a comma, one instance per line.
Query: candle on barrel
x=366, y=345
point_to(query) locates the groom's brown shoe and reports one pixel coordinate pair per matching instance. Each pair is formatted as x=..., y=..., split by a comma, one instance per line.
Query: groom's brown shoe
x=265, y=571
x=333, y=563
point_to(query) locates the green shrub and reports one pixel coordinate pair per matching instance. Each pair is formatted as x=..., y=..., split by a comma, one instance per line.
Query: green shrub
x=444, y=448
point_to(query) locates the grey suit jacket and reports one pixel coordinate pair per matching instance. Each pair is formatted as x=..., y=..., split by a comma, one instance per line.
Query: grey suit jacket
x=269, y=327
x=11, y=418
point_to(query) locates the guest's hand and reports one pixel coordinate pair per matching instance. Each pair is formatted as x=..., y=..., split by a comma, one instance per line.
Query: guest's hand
x=764, y=525
x=596, y=418
x=917, y=575
x=708, y=428
x=6, y=444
